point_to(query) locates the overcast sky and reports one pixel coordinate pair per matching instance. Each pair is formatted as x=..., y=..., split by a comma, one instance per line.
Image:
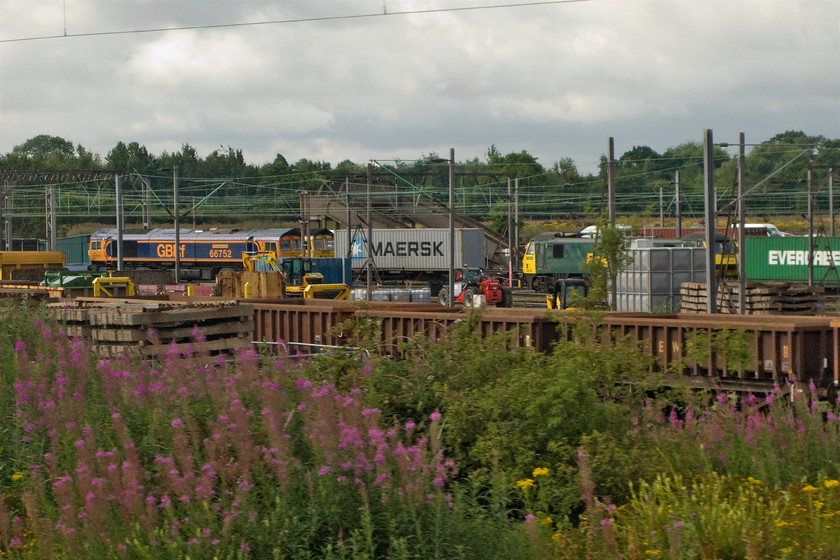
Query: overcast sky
x=556, y=80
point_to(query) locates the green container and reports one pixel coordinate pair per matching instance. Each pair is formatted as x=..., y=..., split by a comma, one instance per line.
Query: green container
x=787, y=258
x=75, y=247
x=71, y=279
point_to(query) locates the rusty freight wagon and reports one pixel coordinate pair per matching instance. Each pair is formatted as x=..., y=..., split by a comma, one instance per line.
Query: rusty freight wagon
x=733, y=352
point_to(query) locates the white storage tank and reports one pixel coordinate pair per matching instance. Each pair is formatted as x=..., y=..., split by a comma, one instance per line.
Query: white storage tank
x=651, y=282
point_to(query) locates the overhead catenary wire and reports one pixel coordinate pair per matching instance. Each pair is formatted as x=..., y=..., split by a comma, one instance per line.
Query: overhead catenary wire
x=384, y=13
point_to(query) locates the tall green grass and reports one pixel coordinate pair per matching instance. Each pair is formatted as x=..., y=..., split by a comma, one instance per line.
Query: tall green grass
x=468, y=448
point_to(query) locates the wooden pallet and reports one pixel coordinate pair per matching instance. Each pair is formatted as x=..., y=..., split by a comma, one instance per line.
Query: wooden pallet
x=114, y=327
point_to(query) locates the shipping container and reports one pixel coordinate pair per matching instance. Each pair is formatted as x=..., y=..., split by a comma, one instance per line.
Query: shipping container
x=417, y=251
x=76, y=249
x=334, y=271
x=788, y=258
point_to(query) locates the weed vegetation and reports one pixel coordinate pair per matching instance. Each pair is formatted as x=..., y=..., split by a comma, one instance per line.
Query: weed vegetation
x=467, y=448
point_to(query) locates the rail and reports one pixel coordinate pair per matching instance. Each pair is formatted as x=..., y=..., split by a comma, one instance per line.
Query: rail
x=285, y=347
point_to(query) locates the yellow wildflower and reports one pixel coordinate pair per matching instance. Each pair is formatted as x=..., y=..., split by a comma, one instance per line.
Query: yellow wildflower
x=546, y=521
x=17, y=476
x=752, y=480
x=809, y=488
x=831, y=483
x=527, y=483
x=540, y=471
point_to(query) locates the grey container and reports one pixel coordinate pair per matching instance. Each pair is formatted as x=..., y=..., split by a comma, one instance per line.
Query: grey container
x=421, y=295
x=416, y=250
x=651, y=282
x=403, y=295
x=380, y=295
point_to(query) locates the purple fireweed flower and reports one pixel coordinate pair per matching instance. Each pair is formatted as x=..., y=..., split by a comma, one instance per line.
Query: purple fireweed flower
x=369, y=411
x=435, y=416
x=324, y=470
x=177, y=423
x=303, y=384
x=20, y=346
x=606, y=522
x=409, y=426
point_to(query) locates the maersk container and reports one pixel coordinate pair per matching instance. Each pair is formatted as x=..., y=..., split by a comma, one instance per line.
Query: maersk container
x=652, y=280
x=788, y=258
x=413, y=250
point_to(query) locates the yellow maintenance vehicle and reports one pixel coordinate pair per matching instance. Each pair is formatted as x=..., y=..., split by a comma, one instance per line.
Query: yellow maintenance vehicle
x=300, y=280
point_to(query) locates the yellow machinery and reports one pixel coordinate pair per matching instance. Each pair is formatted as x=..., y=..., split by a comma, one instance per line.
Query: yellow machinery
x=300, y=280
x=14, y=265
x=564, y=291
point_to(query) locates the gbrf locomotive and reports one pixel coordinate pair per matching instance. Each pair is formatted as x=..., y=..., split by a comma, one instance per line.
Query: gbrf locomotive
x=201, y=253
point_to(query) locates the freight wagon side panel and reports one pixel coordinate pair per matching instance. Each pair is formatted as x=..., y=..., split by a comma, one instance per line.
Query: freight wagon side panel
x=788, y=258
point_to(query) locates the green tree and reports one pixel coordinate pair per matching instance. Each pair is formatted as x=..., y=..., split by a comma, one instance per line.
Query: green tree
x=43, y=152
x=131, y=157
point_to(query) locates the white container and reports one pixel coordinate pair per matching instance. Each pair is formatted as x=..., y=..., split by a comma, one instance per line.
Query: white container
x=417, y=250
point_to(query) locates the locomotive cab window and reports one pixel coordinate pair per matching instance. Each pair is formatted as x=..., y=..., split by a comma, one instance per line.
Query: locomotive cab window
x=95, y=245
x=559, y=251
x=319, y=244
x=285, y=245
x=271, y=246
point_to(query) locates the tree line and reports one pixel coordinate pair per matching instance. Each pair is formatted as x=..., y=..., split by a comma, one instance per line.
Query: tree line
x=554, y=191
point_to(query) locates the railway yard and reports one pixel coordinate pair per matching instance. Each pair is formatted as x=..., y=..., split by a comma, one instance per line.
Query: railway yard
x=790, y=332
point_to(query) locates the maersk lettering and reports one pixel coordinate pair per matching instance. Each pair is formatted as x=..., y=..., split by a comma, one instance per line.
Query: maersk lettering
x=408, y=249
